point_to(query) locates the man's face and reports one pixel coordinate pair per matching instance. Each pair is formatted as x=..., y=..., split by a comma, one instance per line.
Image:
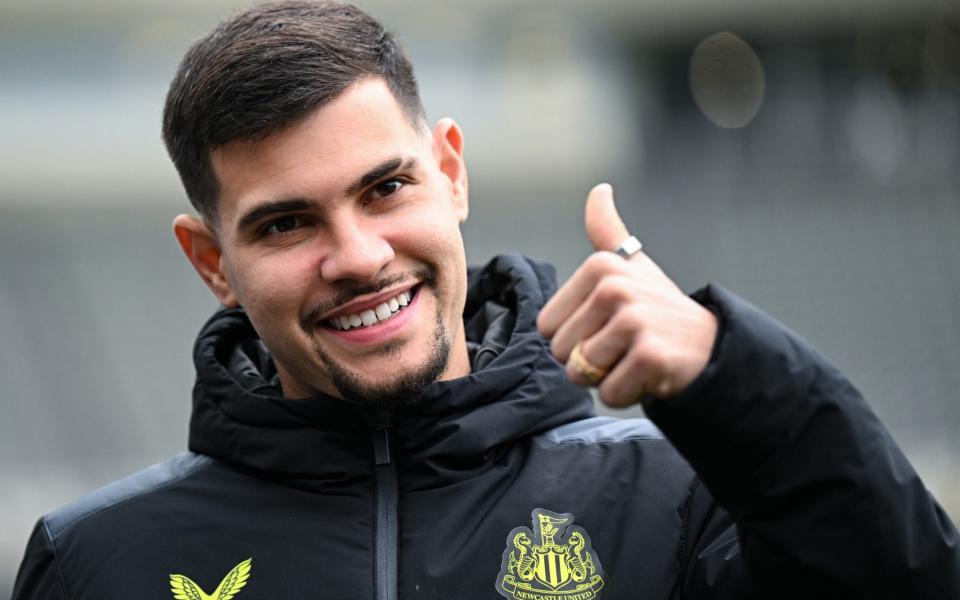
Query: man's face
x=340, y=237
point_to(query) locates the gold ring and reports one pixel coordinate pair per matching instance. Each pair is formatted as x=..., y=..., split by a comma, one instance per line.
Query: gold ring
x=590, y=372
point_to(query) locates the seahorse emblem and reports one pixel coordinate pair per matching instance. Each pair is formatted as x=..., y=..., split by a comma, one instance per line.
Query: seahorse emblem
x=579, y=565
x=523, y=564
x=557, y=562
x=184, y=588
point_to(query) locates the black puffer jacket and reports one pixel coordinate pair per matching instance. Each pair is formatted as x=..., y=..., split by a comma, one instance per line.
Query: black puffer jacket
x=502, y=482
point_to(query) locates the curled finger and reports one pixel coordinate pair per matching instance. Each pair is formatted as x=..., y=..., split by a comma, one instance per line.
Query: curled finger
x=577, y=289
x=634, y=377
x=607, y=300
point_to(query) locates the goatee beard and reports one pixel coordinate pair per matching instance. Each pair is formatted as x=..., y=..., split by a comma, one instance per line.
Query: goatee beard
x=405, y=391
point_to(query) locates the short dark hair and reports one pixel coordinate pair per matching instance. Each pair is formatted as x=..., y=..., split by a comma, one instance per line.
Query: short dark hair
x=269, y=66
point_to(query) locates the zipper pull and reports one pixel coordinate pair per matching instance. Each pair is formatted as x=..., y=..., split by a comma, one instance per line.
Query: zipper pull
x=381, y=446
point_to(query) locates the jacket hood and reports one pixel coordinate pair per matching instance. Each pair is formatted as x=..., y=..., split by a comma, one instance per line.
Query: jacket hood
x=516, y=389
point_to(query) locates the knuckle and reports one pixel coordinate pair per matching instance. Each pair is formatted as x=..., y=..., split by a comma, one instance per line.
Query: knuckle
x=611, y=395
x=606, y=291
x=656, y=369
x=638, y=361
x=600, y=263
x=644, y=360
x=542, y=325
x=626, y=390
x=557, y=350
x=612, y=290
x=573, y=375
x=631, y=318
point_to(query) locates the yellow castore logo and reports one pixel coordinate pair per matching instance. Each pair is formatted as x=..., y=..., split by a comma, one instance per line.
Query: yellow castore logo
x=184, y=588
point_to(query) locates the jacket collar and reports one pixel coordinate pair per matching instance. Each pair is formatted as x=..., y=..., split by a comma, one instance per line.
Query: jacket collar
x=516, y=390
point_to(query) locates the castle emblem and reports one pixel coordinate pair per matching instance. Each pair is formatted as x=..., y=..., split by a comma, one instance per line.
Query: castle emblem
x=555, y=563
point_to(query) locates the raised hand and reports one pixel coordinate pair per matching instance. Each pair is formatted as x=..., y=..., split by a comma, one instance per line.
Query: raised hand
x=631, y=323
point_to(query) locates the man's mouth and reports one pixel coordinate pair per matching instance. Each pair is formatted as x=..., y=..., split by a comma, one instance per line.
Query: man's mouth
x=371, y=316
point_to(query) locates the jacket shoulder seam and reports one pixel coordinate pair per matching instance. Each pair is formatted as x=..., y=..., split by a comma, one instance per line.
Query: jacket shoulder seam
x=684, y=554
x=603, y=430
x=620, y=440
x=199, y=462
x=56, y=559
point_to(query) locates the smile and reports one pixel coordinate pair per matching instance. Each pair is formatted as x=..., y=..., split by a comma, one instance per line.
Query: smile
x=379, y=313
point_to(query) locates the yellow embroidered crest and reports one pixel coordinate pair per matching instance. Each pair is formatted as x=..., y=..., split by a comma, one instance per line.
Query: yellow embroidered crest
x=555, y=563
x=184, y=588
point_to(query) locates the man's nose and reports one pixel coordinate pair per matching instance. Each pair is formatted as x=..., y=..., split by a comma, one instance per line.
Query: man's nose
x=359, y=253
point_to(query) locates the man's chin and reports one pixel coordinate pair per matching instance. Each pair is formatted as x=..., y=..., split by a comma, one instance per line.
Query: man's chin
x=388, y=396
x=402, y=389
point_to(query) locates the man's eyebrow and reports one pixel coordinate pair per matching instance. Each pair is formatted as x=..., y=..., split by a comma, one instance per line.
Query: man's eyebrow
x=380, y=171
x=271, y=207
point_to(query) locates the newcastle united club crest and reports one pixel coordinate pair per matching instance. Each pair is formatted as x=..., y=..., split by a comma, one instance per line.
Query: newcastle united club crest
x=555, y=563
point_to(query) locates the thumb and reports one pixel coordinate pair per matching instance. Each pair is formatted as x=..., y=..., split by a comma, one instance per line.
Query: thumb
x=605, y=229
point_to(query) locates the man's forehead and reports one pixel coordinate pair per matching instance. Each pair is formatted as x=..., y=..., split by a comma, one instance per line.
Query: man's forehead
x=361, y=128
x=365, y=113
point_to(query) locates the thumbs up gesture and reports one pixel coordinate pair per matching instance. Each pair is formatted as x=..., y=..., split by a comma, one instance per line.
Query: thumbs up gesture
x=636, y=333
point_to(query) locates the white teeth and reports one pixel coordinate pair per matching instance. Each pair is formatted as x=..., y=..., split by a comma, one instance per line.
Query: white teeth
x=381, y=312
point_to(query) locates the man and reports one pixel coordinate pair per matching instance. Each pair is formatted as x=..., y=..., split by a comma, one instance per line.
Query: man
x=371, y=420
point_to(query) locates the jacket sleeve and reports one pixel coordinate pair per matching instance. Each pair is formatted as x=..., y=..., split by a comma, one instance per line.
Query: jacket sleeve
x=39, y=577
x=821, y=497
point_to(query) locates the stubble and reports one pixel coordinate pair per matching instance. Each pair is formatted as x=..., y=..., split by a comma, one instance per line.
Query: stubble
x=404, y=390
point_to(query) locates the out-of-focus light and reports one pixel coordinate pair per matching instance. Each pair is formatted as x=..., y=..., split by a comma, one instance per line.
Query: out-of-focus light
x=727, y=80
x=877, y=129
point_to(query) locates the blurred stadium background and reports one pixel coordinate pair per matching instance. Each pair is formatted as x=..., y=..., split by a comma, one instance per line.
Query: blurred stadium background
x=805, y=154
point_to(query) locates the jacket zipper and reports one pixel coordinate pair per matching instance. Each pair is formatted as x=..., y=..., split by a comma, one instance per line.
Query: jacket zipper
x=385, y=547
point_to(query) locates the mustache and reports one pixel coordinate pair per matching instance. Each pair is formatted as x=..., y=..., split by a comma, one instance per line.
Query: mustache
x=425, y=276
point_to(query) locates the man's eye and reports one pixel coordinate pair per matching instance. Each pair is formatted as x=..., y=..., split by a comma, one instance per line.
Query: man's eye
x=387, y=188
x=281, y=225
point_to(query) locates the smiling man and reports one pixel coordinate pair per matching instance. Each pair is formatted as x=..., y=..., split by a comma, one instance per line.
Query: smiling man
x=339, y=235
x=372, y=419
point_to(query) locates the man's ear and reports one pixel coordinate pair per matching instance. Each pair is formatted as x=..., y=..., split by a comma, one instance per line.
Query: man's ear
x=203, y=251
x=448, y=150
